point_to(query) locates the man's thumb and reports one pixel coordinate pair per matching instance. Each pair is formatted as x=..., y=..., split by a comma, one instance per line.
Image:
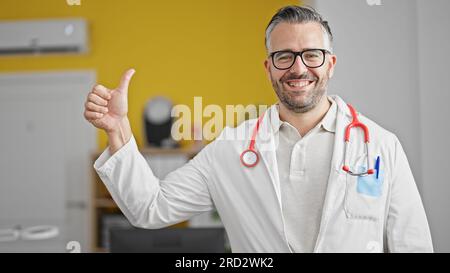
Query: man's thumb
x=125, y=81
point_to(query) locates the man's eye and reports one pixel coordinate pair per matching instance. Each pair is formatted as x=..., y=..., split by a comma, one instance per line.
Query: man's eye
x=284, y=57
x=311, y=56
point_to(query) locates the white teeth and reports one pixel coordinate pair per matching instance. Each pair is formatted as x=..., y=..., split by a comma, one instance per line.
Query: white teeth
x=298, y=84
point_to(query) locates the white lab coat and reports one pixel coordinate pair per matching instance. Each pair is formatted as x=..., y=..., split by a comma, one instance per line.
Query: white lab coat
x=248, y=200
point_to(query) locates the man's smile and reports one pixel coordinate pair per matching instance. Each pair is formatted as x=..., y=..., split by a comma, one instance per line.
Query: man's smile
x=297, y=85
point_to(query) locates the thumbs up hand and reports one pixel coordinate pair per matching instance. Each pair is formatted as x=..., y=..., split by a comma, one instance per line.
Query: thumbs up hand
x=107, y=108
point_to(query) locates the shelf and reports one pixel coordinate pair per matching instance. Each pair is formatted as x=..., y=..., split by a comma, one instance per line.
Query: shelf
x=105, y=203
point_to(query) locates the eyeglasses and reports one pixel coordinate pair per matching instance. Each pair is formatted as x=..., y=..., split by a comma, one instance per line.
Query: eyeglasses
x=312, y=58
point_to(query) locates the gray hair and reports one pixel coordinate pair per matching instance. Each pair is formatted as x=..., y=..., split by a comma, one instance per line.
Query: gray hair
x=297, y=14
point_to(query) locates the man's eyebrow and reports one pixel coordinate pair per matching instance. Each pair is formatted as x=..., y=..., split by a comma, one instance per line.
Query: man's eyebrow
x=303, y=49
x=280, y=50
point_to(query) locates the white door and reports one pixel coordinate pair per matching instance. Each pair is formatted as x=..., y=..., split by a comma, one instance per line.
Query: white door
x=44, y=157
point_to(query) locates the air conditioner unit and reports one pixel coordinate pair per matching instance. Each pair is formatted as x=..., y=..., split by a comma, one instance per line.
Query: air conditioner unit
x=43, y=36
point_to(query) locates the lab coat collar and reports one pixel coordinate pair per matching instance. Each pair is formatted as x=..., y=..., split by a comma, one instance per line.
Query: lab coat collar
x=343, y=118
x=342, y=107
x=266, y=144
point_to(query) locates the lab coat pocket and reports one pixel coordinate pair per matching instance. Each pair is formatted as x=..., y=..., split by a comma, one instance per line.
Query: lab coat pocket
x=364, y=196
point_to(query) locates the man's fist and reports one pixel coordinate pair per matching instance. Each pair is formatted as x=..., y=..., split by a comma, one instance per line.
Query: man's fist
x=106, y=108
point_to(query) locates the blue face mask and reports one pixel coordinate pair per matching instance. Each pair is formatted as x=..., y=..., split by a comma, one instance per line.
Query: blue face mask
x=370, y=185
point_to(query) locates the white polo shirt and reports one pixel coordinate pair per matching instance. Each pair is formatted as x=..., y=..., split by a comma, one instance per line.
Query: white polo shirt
x=304, y=164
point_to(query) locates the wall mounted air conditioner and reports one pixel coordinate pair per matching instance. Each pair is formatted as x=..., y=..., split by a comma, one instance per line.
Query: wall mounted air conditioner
x=43, y=36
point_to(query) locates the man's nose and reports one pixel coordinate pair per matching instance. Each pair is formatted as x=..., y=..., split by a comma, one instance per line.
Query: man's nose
x=298, y=66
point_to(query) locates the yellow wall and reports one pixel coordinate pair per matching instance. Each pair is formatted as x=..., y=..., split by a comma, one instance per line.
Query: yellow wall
x=181, y=49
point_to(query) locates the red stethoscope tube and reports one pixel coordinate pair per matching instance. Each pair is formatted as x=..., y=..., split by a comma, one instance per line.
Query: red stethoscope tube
x=250, y=157
x=356, y=123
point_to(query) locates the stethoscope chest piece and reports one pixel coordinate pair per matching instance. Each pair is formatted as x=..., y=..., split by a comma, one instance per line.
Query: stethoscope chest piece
x=249, y=158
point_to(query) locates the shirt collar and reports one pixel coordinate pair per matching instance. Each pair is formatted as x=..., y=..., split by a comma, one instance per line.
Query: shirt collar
x=328, y=122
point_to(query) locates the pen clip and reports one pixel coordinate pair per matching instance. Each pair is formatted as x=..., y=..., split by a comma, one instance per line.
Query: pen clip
x=377, y=166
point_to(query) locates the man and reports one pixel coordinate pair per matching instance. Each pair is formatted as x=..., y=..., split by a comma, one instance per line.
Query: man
x=296, y=191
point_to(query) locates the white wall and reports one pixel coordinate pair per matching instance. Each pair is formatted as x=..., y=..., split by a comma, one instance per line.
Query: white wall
x=392, y=62
x=434, y=60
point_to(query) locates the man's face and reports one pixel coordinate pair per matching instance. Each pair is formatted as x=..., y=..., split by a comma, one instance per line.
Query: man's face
x=300, y=88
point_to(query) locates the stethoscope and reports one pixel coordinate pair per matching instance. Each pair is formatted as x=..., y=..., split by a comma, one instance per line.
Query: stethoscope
x=30, y=233
x=250, y=156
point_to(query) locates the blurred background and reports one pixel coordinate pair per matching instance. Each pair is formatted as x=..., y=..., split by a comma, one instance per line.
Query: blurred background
x=392, y=65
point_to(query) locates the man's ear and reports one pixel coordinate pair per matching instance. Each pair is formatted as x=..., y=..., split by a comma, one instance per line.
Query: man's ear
x=331, y=65
x=267, y=67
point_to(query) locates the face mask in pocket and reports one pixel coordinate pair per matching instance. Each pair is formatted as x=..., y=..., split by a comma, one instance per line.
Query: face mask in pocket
x=365, y=195
x=370, y=185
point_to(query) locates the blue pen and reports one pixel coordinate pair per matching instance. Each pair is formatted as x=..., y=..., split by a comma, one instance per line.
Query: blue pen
x=377, y=165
